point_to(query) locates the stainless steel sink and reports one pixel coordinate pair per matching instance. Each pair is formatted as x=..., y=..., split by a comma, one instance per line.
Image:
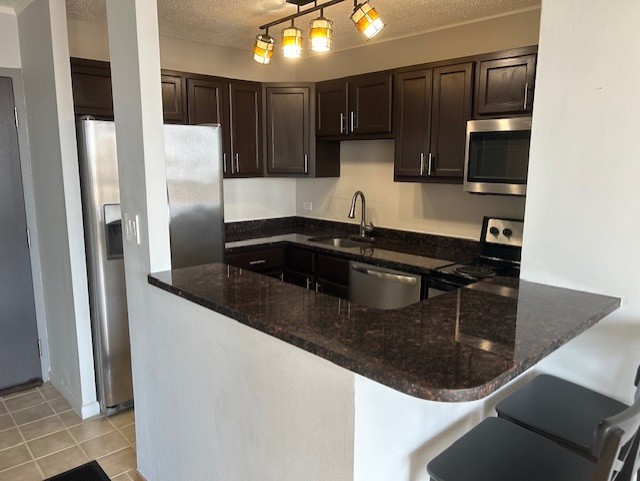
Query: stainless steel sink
x=342, y=241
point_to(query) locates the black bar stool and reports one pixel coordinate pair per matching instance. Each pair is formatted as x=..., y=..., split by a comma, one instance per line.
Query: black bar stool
x=498, y=450
x=564, y=412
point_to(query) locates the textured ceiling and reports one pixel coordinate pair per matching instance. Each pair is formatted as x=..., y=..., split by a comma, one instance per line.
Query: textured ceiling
x=235, y=22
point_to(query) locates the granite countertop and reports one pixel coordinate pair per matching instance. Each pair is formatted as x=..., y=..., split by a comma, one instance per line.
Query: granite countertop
x=376, y=254
x=459, y=346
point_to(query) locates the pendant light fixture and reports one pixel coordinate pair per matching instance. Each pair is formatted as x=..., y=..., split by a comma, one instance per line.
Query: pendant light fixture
x=321, y=34
x=292, y=42
x=366, y=19
x=263, y=48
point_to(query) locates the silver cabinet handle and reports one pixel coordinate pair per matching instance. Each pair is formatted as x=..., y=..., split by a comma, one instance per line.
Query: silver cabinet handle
x=421, y=163
x=353, y=121
x=430, y=163
x=237, y=163
x=306, y=163
x=255, y=263
x=224, y=162
x=317, y=287
x=282, y=277
x=342, y=126
x=526, y=95
x=308, y=283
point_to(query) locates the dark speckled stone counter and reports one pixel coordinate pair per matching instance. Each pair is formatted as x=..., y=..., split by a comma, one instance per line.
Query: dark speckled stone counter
x=460, y=346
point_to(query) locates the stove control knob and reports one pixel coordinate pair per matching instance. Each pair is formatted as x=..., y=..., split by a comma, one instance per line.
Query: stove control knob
x=507, y=232
x=494, y=231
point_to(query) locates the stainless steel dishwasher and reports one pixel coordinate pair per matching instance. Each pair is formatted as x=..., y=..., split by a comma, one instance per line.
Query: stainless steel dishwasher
x=382, y=288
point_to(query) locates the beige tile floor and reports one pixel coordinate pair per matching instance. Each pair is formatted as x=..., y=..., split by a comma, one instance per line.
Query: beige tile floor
x=40, y=436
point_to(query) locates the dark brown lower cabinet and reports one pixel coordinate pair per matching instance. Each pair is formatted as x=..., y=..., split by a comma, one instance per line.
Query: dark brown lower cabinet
x=320, y=272
x=268, y=261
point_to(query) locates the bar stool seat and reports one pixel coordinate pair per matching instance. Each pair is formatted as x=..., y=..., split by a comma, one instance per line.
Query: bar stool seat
x=560, y=410
x=498, y=450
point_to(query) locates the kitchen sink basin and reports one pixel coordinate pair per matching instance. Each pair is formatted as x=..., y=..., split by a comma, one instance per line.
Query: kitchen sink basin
x=342, y=241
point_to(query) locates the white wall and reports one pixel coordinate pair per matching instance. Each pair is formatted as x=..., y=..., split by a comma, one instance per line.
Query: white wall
x=367, y=165
x=231, y=403
x=10, y=51
x=245, y=199
x=47, y=83
x=582, y=211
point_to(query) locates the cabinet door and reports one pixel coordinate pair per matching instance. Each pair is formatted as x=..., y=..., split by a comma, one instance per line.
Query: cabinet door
x=413, y=110
x=207, y=104
x=246, y=129
x=288, y=126
x=505, y=85
x=451, y=108
x=91, y=84
x=370, y=98
x=331, y=108
x=174, y=98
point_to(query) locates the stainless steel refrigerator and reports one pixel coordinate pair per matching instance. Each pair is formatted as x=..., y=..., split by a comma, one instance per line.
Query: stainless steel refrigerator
x=194, y=194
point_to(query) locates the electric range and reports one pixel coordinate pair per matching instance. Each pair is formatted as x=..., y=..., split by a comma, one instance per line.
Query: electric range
x=501, y=249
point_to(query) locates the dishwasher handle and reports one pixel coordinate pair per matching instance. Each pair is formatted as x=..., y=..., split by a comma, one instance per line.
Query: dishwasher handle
x=409, y=280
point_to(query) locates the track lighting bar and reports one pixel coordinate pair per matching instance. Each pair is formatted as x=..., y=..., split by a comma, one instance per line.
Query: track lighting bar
x=301, y=13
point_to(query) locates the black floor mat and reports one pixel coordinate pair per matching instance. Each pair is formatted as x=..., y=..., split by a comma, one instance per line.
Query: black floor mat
x=87, y=472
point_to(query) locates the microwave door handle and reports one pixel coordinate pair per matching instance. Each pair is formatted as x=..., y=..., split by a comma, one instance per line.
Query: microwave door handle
x=526, y=95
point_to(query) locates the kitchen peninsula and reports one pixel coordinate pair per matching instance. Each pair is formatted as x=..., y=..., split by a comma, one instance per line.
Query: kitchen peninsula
x=358, y=393
x=461, y=346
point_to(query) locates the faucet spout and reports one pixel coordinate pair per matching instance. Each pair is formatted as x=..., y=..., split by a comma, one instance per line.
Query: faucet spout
x=364, y=228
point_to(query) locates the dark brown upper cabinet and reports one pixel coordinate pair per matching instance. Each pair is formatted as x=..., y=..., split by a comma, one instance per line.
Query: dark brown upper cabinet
x=174, y=98
x=332, y=105
x=288, y=130
x=92, y=91
x=432, y=109
x=207, y=103
x=505, y=83
x=450, y=110
x=370, y=100
x=91, y=85
x=413, y=117
x=355, y=107
x=245, y=104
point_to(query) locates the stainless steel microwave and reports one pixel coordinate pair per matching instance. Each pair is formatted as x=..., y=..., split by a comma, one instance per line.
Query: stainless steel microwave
x=497, y=156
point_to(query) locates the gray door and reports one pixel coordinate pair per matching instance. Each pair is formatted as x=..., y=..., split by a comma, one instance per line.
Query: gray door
x=19, y=357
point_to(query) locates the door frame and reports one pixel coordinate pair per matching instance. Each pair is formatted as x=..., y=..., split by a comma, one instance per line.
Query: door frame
x=30, y=209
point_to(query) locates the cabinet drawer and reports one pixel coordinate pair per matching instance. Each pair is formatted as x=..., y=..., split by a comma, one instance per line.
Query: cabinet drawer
x=260, y=261
x=333, y=268
x=300, y=260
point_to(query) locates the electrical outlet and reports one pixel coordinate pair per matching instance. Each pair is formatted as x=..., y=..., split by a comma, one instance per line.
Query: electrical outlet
x=307, y=206
x=132, y=228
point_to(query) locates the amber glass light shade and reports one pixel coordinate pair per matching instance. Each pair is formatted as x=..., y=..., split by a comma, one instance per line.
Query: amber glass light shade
x=320, y=35
x=367, y=20
x=292, y=42
x=263, y=49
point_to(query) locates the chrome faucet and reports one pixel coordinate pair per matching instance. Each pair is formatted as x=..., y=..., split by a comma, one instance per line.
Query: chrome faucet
x=364, y=228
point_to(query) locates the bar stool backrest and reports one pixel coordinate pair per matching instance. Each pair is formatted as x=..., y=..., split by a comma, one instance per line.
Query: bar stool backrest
x=611, y=435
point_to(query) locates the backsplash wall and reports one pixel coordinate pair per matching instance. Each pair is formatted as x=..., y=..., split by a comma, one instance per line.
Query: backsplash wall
x=430, y=208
